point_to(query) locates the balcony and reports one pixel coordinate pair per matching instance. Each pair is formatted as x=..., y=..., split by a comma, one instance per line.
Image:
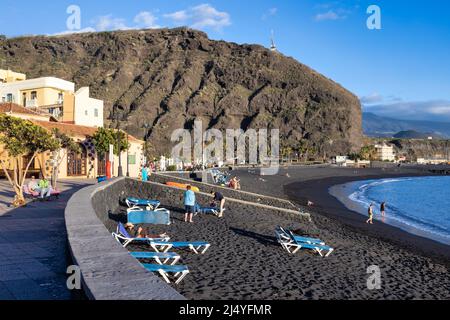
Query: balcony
x=31, y=103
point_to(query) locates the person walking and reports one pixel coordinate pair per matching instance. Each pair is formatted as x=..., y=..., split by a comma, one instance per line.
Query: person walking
x=144, y=173
x=219, y=199
x=370, y=213
x=383, y=208
x=189, y=204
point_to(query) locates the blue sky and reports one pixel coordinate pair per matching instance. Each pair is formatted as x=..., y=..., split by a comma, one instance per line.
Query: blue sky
x=402, y=70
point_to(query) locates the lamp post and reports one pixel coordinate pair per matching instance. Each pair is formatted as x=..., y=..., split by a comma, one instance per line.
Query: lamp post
x=128, y=154
x=119, y=170
x=147, y=127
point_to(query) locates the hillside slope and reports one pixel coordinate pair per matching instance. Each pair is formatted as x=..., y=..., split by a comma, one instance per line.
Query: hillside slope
x=168, y=77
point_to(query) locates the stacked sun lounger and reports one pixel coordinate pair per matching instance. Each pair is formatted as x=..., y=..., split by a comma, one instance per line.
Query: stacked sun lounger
x=135, y=202
x=293, y=243
x=165, y=261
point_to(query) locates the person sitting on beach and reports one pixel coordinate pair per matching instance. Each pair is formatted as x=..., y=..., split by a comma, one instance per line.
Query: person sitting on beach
x=370, y=213
x=189, y=204
x=139, y=232
x=235, y=184
x=219, y=199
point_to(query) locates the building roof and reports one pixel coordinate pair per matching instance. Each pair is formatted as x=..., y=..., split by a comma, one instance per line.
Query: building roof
x=69, y=129
x=74, y=130
x=15, y=108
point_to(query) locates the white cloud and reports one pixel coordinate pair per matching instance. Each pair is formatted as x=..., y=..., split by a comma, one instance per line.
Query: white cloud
x=372, y=98
x=433, y=110
x=85, y=30
x=270, y=13
x=178, y=16
x=329, y=15
x=110, y=23
x=146, y=19
x=203, y=16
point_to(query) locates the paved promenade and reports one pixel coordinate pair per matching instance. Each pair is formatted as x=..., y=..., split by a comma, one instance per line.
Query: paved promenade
x=33, y=246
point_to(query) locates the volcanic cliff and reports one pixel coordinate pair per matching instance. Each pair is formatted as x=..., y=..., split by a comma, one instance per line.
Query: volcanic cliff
x=167, y=78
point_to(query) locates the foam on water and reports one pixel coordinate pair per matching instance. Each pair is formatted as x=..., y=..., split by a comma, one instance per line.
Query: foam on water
x=418, y=205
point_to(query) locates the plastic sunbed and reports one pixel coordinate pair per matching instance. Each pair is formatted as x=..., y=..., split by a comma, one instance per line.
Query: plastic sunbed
x=199, y=247
x=160, y=257
x=135, y=202
x=179, y=272
x=124, y=238
x=292, y=245
x=289, y=234
x=140, y=216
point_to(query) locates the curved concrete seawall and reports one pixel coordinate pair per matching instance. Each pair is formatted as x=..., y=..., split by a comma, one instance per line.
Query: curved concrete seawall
x=108, y=271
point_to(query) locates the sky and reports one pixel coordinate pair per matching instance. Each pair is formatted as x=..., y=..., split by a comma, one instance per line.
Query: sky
x=401, y=70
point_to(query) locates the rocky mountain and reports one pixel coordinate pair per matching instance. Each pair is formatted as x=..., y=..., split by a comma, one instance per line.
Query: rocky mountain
x=378, y=126
x=167, y=78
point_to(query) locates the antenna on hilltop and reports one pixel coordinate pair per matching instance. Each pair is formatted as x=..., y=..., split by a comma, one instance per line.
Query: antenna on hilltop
x=273, y=47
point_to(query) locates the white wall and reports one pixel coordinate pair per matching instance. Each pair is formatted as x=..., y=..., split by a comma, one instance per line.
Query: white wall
x=47, y=82
x=88, y=111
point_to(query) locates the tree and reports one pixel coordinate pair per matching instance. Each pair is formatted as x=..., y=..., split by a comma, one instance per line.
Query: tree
x=368, y=153
x=20, y=138
x=66, y=144
x=103, y=138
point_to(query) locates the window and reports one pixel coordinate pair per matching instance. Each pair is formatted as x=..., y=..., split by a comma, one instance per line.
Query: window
x=96, y=113
x=132, y=159
x=33, y=95
x=85, y=112
x=60, y=97
x=9, y=97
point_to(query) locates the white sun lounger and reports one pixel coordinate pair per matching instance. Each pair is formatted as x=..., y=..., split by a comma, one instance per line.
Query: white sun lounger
x=160, y=257
x=179, y=272
x=124, y=238
x=292, y=245
x=199, y=247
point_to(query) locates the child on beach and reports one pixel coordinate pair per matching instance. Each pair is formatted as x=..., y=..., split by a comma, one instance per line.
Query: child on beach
x=189, y=204
x=370, y=212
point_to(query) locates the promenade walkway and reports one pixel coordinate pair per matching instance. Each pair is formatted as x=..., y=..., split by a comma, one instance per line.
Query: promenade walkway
x=33, y=246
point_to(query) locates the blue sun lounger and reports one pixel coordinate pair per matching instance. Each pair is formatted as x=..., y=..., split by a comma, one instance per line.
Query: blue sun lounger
x=198, y=247
x=140, y=216
x=135, y=202
x=160, y=257
x=179, y=272
x=123, y=237
x=288, y=234
x=292, y=245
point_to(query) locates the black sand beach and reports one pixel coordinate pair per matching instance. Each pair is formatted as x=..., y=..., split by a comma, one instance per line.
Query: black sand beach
x=246, y=262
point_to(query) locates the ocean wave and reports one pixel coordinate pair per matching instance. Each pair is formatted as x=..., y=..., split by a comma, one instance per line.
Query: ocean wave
x=362, y=195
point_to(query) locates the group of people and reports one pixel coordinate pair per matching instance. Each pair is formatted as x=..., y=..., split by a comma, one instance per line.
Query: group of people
x=190, y=203
x=43, y=187
x=370, y=212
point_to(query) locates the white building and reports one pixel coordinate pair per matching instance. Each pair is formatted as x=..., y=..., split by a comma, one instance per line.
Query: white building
x=385, y=152
x=50, y=95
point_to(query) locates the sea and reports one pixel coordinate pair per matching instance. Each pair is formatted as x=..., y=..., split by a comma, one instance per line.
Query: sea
x=419, y=205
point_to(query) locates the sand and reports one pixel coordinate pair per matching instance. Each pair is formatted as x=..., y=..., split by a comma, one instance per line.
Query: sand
x=245, y=261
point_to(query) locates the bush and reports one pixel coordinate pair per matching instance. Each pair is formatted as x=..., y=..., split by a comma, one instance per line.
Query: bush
x=172, y=168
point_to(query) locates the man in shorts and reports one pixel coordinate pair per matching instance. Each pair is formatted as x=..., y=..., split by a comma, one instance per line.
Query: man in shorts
x=189, y=204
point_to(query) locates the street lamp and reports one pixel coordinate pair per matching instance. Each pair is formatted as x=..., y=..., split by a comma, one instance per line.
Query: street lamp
x=119, y=170
x=147, y=127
